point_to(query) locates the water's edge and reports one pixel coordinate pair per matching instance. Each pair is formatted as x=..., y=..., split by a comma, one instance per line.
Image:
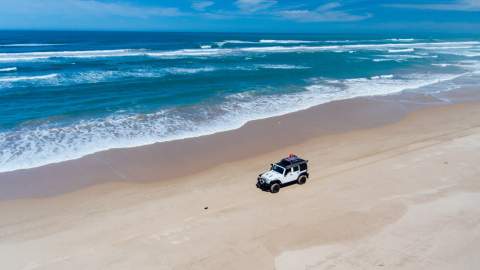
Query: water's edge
x=170, y=160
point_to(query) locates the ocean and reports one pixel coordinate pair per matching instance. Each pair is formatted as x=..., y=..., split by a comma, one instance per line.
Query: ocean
x=64, y=95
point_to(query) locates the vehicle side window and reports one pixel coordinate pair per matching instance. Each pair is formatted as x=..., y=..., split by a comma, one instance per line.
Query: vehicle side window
x=296, y=168
x=303, y=166
x=287, y=171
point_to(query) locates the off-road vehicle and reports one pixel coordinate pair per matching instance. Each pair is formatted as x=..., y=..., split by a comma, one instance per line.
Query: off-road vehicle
x=286, y=171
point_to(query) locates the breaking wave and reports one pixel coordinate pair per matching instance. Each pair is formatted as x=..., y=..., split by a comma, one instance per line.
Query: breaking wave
x=264, y=41
x=29, y=56
x=280, y=66
x=446, y=47
x=276, y=41
x=28, y=78
x=190, y=70
x=97, y=76
x=8, y=69
x=33, y=146
x=225, y=42
x=401, y=50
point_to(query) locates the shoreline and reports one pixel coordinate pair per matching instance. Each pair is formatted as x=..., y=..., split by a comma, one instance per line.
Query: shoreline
x=405, y=193
x=164, y=161
x=215, y=128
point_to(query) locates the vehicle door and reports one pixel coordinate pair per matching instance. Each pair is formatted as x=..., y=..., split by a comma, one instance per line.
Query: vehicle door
x=291, y=174
x=295, y=172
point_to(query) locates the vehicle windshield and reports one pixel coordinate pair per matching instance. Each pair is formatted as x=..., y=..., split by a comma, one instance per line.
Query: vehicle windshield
x=277, y=169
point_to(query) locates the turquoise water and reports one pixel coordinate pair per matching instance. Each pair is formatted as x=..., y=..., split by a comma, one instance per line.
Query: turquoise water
x=65, y=95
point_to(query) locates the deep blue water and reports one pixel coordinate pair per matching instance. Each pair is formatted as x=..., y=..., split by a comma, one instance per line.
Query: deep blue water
x=67, y=94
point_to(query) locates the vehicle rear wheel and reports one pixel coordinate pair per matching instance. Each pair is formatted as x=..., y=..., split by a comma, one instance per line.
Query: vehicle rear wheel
x=275, y=188
x=302, y=179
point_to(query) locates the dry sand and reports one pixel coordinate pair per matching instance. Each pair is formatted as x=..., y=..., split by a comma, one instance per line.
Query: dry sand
x=399, y=196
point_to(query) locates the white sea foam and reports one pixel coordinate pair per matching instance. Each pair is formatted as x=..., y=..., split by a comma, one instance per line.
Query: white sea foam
x=223, y=43
x=303, y=48
x=389, y=76
x=419, y=45
x=340, y=41
x=8, y=69
x=97, y=76
x=70, y=79
x=33, y=146
x=471, y=66
x=402, y=57
x=29, y=56
x=217, y=52
x=452, y=47
x=191, y=53
x=384, y=60
x=401, y=50
x=371, y=40
x=461, y=49
x=383, y=84
x=276, y=41
x=466, y=53
x=401, y=39
x=280, y=66
x=263, y=41
x=205, y=46
x=190, y=70
x=405, y=56
x=28, y=78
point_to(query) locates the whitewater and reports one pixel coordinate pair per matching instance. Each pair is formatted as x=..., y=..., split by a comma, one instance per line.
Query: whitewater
x=64, y=97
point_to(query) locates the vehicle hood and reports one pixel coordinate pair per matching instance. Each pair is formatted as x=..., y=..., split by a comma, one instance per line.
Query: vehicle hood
x=271, y=175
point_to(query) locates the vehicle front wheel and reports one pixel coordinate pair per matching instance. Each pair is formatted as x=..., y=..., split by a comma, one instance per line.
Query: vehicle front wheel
x=302, y=179
x=275, y=188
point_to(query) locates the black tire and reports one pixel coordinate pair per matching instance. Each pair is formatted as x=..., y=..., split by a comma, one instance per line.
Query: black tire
x=302, y=179
x=275, y=188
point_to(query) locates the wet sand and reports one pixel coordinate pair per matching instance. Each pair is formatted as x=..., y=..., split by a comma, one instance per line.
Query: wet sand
x=394, y=184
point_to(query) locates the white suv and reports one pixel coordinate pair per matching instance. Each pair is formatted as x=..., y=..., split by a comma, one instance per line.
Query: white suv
x=286, y=171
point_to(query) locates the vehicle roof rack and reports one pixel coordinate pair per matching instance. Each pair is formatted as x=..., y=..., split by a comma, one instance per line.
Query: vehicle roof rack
x=291, y=160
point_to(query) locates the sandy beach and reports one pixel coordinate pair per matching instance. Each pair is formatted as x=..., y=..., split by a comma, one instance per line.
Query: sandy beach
x=394, y=184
